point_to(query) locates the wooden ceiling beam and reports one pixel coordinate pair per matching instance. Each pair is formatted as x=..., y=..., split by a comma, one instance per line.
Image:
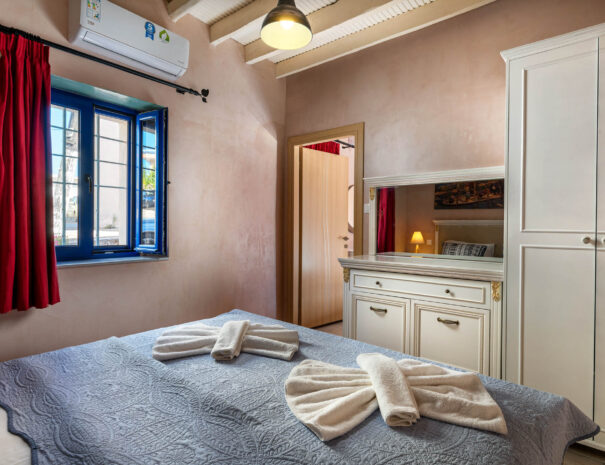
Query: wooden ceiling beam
x=179, y=8
x=226, y=27
x=320, y=20
x=408, y=22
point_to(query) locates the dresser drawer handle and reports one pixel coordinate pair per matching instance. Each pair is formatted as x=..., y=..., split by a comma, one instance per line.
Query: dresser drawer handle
x=378, y=283
x=447, y=291
x=379, y=310
x=448, y=322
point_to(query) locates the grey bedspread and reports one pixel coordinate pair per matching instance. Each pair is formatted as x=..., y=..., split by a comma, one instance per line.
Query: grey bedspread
x=109, y=403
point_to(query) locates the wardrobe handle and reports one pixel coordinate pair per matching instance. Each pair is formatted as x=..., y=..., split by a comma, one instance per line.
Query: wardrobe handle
x=379, y=310
x=448, y=322
x=586, y=239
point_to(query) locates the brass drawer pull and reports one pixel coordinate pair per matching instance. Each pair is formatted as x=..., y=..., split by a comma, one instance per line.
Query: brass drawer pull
x=448, y=322
x=379, y=310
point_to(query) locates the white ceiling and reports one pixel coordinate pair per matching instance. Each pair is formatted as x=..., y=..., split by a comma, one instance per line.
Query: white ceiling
x=346, y=25
x=369, y=19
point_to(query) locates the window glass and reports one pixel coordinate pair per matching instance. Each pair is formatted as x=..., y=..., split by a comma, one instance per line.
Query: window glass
x=111, y=180
x=148, y=177
x=65, y=144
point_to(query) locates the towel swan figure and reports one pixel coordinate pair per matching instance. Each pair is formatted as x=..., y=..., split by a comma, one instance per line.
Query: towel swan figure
x=332, y=400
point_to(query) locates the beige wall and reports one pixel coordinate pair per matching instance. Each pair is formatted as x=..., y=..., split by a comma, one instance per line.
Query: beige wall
x=434, y=99
x=222, y=199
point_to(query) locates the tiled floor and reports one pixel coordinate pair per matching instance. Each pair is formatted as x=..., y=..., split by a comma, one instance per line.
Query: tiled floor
x=576, y=455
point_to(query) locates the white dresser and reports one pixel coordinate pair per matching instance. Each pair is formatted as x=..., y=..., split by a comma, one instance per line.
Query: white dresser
x=444, y=310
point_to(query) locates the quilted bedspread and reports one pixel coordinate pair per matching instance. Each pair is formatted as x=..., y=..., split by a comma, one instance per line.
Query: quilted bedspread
x=109, y=403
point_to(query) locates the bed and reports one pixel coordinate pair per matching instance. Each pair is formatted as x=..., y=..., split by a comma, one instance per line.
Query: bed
x=109, y=402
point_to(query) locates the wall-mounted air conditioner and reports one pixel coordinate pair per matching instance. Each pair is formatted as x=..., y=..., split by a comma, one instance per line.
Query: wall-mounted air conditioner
x=111, y=31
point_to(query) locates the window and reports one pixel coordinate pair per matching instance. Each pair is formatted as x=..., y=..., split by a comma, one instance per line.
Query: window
x=109, y=175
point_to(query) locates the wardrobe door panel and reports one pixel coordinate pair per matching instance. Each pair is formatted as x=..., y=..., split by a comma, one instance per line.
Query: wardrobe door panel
x=557, y=320
x=599, y=411
x=559, y=144
x=551, y=211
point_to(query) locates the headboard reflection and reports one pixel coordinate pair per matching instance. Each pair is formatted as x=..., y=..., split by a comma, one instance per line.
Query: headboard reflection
x=475, y=231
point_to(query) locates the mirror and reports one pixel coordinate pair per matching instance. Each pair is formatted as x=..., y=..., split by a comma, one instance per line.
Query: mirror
x=458, y=220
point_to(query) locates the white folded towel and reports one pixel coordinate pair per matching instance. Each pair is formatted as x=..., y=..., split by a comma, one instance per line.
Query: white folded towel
x=229, y=340
x=196, y=339
x=331, y=400
x=395, y=398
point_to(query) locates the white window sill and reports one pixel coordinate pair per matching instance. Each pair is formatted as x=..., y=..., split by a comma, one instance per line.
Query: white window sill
x=108, y=261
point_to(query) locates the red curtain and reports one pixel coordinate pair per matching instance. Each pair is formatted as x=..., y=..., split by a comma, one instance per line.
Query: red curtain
x=330, y=147
x=386, y=220
x=28, y=269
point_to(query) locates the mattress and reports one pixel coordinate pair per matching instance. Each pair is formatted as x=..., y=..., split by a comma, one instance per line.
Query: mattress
x=235, y=412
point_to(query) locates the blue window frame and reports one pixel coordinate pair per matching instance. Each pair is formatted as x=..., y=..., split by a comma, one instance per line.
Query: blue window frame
x=109, y=179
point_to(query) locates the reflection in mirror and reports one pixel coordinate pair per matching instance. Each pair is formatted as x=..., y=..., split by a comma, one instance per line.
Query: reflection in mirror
x=462, y=220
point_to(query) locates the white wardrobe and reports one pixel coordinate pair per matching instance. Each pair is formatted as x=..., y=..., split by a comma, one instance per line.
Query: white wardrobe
x=555, y=219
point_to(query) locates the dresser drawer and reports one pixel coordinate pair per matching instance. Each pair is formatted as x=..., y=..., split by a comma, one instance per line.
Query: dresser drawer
x=381, y=322
x=451, y=290
x=455, y=336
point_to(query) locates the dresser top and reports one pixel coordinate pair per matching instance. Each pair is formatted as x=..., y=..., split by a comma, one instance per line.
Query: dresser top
x=425, y=265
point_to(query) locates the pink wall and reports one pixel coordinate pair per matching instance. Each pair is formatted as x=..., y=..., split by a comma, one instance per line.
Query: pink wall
x=434, y=99
x=222, y=200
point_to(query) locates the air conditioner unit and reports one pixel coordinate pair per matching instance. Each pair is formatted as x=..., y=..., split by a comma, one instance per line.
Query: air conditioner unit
x=111, y=31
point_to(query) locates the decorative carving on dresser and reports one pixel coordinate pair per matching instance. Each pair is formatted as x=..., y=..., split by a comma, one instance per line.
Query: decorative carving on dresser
x=496, y=291
x=372, y=193
x=345, y=274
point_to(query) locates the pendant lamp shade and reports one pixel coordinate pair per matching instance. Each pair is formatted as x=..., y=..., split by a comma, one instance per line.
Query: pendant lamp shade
x=286, y=27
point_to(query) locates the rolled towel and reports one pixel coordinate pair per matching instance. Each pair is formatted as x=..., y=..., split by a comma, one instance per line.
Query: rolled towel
x=331, y=400
x=229, y=340
x=198, y=339
x=394, y=395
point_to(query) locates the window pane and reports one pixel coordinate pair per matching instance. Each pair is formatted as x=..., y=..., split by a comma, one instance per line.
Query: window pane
x=58, y=213
x=112, y=127
x=149, y=158
x=72, y=170
x=111, y=181
x=57, y=141
x=148, y=129
x=57, y=169
x=72, y=119
x=111, y=150
x=111, y=217
x=65, y=170
x=72, y=143
x=148, y=218
x=71, y=215
x=148, y=179
x=56, y=116
x=112, y=174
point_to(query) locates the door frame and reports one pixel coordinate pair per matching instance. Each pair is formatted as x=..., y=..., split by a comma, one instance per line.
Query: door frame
x=289, y=308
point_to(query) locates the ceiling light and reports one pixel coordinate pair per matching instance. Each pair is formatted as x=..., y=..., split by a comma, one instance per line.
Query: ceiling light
x=286, y=27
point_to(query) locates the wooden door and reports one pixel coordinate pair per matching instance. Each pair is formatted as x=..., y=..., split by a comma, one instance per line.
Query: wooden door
x=551, y=221
x=323, y=229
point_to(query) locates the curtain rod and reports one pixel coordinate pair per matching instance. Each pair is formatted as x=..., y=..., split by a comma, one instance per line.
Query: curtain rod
x=180, y=89
x=346, y=144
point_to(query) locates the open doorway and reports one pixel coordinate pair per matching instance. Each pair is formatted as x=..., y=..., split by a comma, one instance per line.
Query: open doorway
x=325, y=221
